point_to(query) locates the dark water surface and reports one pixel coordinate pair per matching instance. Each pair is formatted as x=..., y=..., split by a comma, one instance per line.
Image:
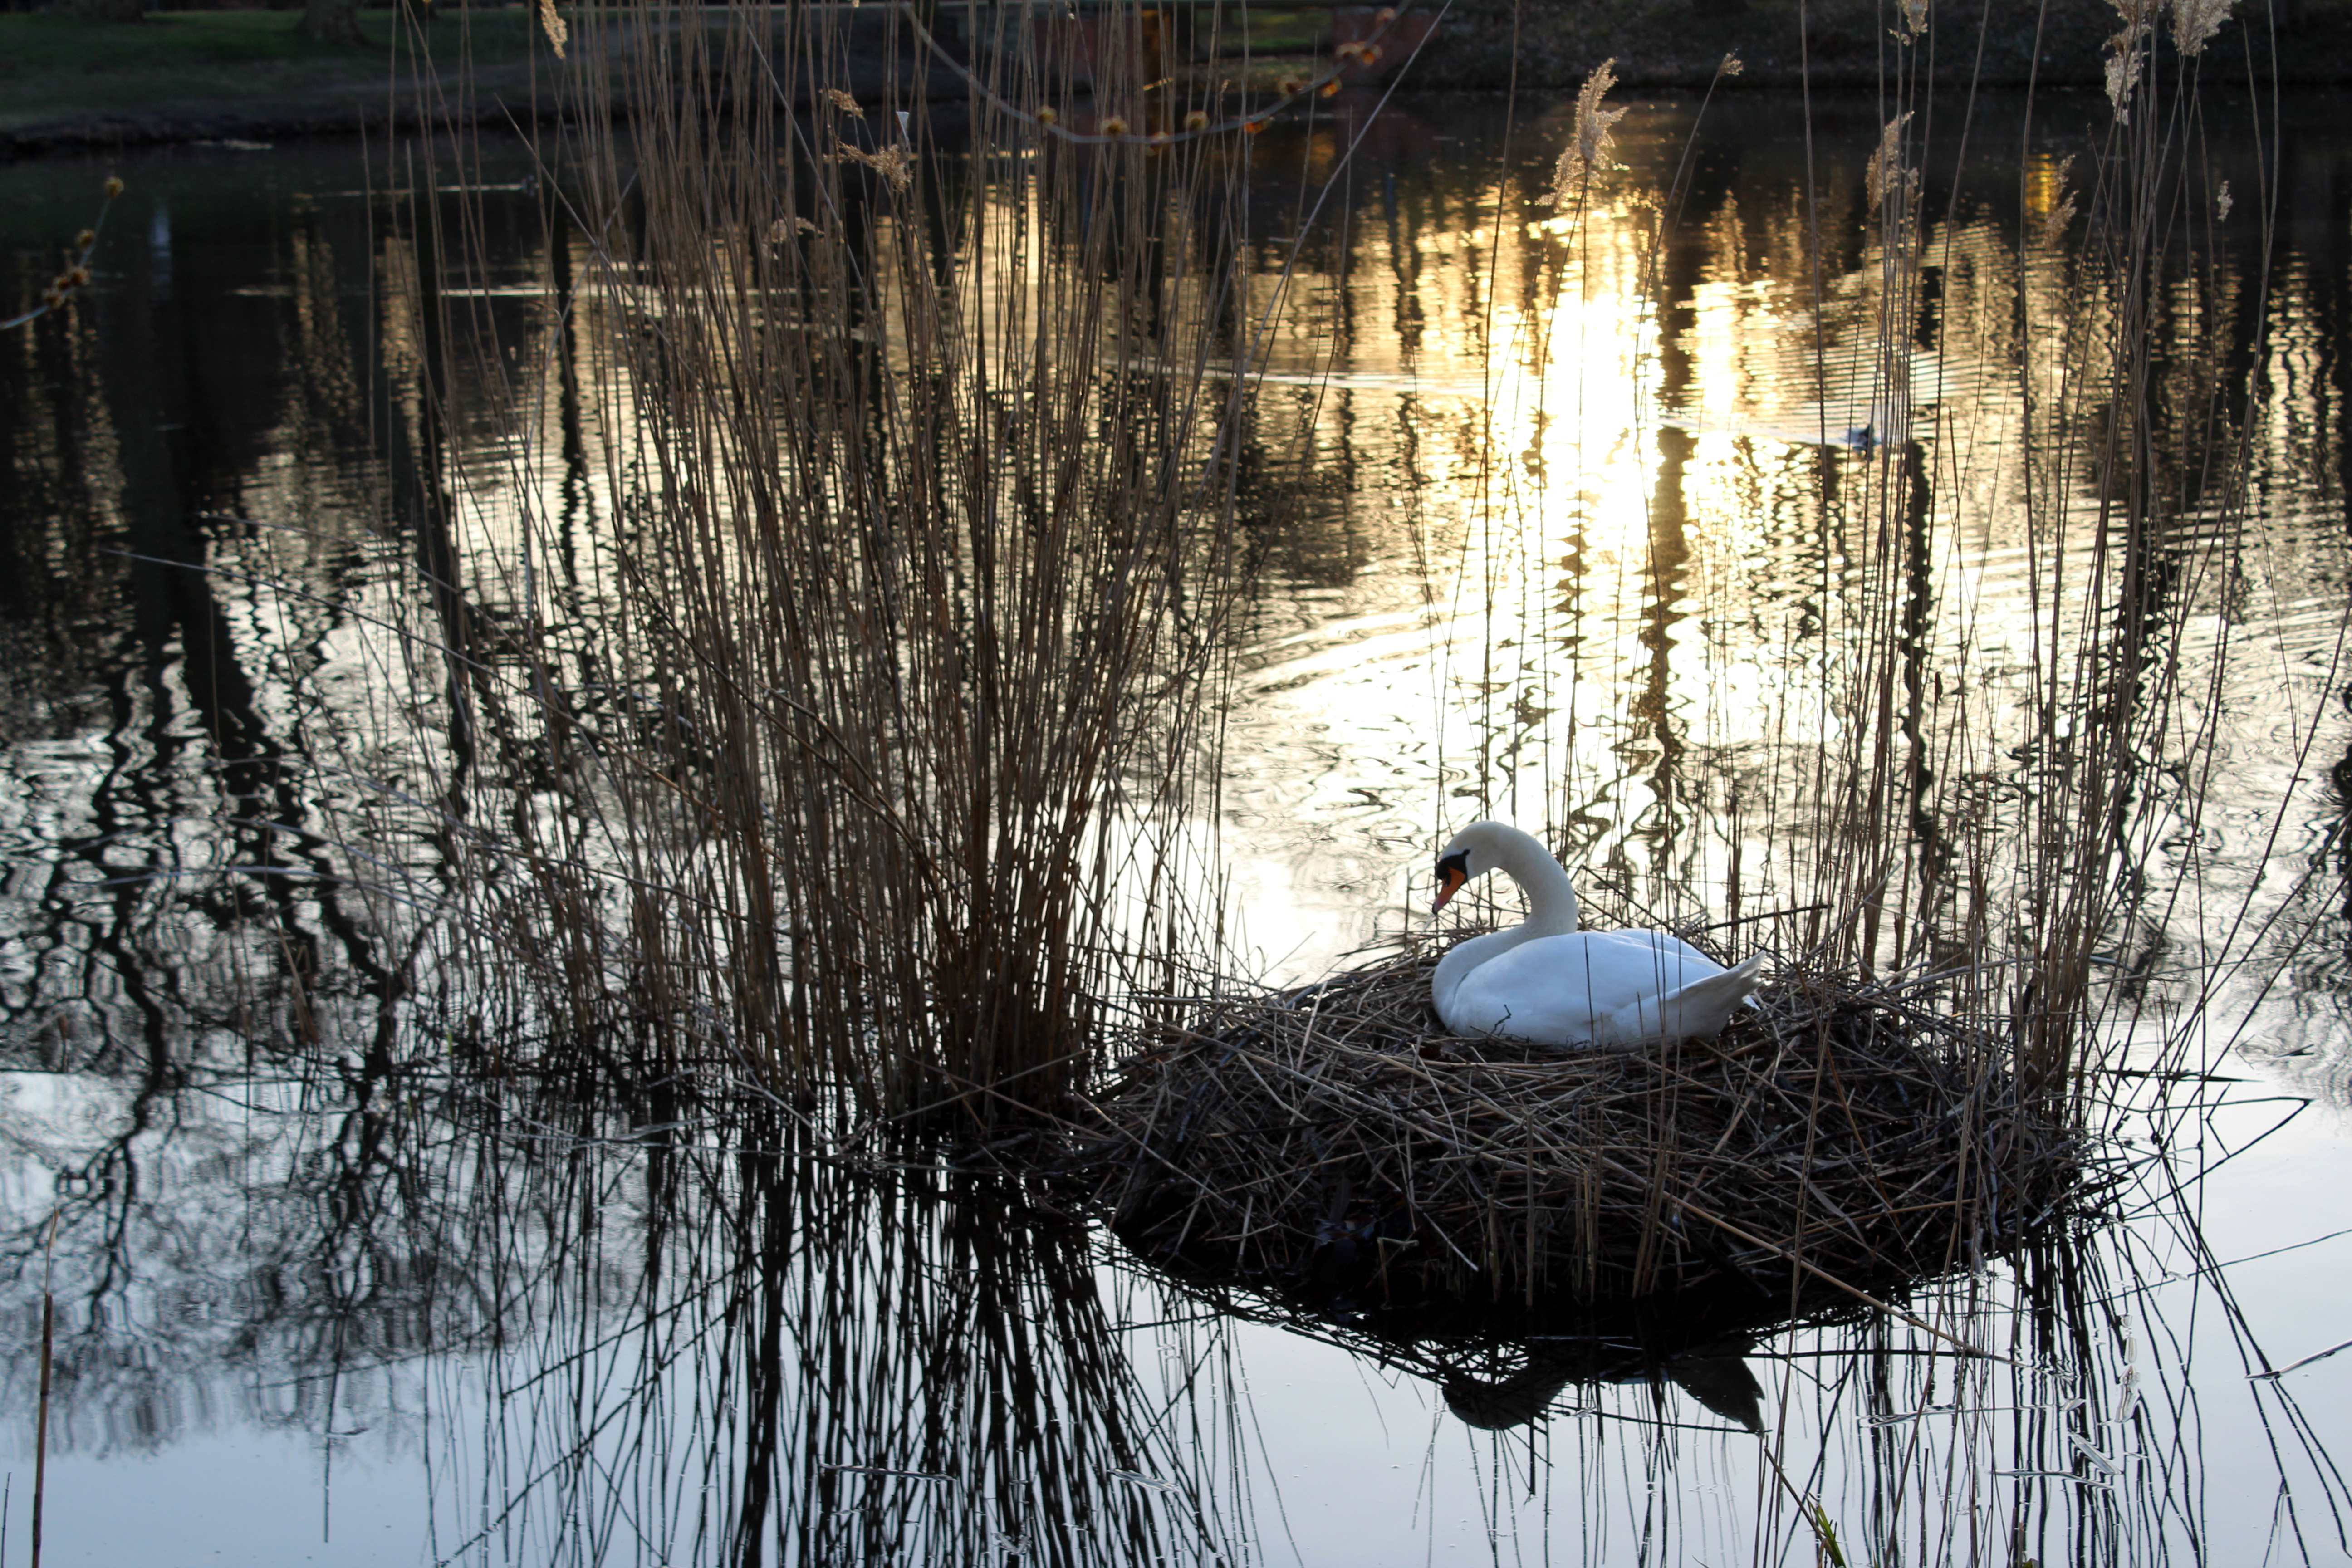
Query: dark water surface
x=1539, y=534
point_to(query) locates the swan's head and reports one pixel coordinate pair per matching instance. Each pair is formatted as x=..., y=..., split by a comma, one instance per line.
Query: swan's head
x=1469, y=853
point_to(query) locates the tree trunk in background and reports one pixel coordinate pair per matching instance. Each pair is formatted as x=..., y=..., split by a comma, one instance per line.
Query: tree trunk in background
x=105, y=10
x=330, y=22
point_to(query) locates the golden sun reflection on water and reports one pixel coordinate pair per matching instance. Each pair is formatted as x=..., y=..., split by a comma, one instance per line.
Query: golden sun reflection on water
x=1615, y=525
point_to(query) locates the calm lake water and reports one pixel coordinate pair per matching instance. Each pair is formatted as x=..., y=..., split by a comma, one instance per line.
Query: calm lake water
x=1539, y=534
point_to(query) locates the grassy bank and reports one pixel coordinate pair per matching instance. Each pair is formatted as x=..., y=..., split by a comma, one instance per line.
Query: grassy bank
x=193, y=73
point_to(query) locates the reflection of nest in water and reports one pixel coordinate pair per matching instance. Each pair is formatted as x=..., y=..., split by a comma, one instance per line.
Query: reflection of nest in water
x=1501, y=1366
x=1335, y=1139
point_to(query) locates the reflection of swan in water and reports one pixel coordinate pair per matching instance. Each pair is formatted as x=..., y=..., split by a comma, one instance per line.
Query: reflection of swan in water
x=1712, y=1375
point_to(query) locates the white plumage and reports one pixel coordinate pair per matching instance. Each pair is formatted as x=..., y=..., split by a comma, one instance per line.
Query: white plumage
x=1546, y=981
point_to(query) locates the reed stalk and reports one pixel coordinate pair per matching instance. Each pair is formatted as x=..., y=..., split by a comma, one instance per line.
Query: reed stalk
x=41, y=1418
x=919, y=557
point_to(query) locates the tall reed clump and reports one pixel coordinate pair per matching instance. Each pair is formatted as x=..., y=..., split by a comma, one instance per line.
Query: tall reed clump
x=2136, y=466
x=2008, y=850
x=873, y=771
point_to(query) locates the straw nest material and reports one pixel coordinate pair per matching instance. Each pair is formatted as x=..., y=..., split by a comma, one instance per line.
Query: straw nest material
x=1337, y=1139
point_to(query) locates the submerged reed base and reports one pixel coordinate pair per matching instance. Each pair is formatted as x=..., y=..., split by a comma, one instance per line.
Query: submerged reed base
x=1336, y=1140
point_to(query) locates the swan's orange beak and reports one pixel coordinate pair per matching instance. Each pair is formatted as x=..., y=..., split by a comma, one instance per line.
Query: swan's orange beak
x=1452, y=873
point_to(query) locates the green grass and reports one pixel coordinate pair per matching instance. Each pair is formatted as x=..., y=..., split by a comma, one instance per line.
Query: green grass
x=55, y=68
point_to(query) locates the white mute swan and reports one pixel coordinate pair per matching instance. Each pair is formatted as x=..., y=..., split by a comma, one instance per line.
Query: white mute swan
x=1546, y=981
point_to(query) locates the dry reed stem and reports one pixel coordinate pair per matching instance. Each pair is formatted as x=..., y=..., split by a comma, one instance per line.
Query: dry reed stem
x=41, y=1420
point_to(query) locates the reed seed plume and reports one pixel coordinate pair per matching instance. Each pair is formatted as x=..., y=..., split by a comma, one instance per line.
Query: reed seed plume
x=2063, y=205
x=1589, y=142
x=2126, y=52
x=1885, y=177
x=2122, y=68
x=894, y=163
x=2194, y=22
x=74, y=275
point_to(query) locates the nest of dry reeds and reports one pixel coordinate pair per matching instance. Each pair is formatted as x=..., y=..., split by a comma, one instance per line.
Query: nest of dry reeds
x=1339, y=1139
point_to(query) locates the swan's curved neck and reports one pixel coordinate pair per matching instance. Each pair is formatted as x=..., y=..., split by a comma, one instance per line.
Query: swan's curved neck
x=1551, y=894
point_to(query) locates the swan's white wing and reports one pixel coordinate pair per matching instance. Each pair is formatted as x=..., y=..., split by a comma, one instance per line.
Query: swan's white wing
x=1593, y=987
x=1618, y=969
x=1669, y=953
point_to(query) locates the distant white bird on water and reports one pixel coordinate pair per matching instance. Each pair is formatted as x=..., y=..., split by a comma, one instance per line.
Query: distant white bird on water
x=1547, y=982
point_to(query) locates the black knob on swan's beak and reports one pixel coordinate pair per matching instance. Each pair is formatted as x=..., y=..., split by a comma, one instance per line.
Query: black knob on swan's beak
x=1452, y=872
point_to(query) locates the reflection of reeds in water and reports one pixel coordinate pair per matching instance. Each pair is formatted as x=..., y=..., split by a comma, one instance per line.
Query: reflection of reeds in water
x=989, y=1410
x=624, y=1333
x=634, y=1333
x=819, y=1367
x=914, y=575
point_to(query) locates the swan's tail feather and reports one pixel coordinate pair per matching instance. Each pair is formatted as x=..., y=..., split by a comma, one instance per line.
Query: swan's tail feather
x=1704, y=1006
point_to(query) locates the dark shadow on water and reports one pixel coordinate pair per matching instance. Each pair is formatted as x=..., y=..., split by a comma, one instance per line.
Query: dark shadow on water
x=1504, y=1364
x=1502, y=1368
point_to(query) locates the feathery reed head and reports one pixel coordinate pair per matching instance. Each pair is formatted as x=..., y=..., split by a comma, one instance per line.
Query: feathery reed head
x=1887, y=178
x=2194, y=22
x=1589, y=142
